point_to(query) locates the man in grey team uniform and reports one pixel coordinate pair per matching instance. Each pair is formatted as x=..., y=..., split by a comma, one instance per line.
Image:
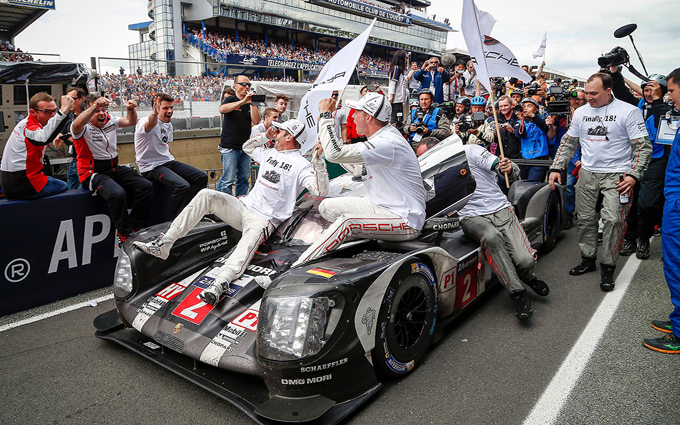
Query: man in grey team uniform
x=489, y=219
x=610, y=133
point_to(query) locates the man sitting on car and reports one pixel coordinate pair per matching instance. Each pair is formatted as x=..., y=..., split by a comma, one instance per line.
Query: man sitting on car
x=489, y=219
x=284, y=173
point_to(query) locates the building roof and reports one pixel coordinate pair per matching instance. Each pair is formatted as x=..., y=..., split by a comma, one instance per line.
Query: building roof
x=14, y=18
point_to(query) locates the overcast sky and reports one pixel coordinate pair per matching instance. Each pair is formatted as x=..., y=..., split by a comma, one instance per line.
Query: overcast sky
x=578, y=30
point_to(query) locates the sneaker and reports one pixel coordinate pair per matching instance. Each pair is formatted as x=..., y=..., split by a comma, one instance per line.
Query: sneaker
x=523, y=305
x=607, y=273
x=668, y=344
x=539, y=287
x=157, y=247
x=628, y=248
x=642, y=250
x=213, y=293
x=662, y=325
x=657, y=230
x=586, y=265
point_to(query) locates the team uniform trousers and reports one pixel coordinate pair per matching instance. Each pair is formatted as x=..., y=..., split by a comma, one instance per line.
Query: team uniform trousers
x=613, y=214
x=650, y=202
x=670, y=242
x=354, y=218
x=255, y=228
x=114, y=185
x=186, y=181
x=505, y=244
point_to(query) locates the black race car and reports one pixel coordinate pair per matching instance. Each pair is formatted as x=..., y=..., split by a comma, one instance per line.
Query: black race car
x=316, y=343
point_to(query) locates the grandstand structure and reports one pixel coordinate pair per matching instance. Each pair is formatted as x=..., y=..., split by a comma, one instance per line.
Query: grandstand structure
x=280, y=39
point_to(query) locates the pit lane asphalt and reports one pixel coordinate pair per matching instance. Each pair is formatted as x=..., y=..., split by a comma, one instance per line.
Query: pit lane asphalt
x=489, y=368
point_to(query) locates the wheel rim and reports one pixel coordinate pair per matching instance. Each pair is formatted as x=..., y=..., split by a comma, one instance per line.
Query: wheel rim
x=410, y=318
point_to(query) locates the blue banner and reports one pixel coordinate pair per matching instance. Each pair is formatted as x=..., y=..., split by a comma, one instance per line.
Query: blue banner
x=40, y=4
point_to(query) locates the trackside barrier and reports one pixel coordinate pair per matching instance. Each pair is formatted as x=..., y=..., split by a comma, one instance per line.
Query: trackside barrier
x=60, y=246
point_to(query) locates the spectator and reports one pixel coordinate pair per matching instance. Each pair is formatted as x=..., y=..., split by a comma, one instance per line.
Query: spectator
x=139, y=71
x=340, y=117
x=281, y=104
x=507, y=121
x=432, y=77
x=397, y=91
x=239, y=115
x=413, y=84
x=122, y=71
x=352, y=135
x=457, y=81
x=21, y=170
x=433, y=123
x=98, y=167
x=157, y=164
x=269, y=116
x=532, y=129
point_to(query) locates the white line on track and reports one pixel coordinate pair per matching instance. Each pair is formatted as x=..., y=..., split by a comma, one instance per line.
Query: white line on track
x=54, y=313
x=548, y=407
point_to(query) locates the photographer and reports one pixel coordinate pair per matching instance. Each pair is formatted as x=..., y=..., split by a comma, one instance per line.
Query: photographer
x=457, y=81
x=432, y=78
x=648, y=197
x=426, y=120
x=533, y=132
x=467, y=123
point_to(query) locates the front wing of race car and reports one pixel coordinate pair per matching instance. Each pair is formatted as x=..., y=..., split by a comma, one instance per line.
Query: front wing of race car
x=248, y=393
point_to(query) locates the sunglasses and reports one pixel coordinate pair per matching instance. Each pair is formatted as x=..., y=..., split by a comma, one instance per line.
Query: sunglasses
x=48, y=111
x=244, y=84
x=334, y=95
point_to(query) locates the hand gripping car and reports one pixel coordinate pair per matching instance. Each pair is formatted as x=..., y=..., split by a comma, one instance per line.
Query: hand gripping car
x=317, y=342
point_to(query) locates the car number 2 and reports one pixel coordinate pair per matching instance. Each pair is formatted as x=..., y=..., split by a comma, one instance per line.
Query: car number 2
x=466, y=287
x=192, y=308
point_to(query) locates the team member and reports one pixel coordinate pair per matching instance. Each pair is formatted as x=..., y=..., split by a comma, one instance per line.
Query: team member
x=670, y=240
x=77, y=94
x=610, y=133
x=489, y=219
x=281, y=104
x=157, y=164
x=284, y=173
x=96, y=143
x=395, y=206
x=21, y=170
x=239, y=115
x=269, y=116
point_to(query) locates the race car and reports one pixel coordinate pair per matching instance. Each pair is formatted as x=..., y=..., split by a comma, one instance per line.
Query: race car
x=319, y=340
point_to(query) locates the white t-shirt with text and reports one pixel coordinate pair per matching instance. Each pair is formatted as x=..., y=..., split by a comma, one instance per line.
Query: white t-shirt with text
x=151, y=149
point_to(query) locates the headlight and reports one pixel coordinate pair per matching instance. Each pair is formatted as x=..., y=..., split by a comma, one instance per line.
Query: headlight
x=122, y=281
x=294, y=327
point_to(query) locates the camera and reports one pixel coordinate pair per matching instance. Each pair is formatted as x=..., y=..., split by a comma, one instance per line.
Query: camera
x=449, y=108
x=532, y=90
x=498, y=85
x=420, y=127
x=463, y=122
x=559, y=100
x=618, y=56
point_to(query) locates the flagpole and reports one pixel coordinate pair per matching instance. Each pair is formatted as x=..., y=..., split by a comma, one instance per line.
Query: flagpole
x=498, y=134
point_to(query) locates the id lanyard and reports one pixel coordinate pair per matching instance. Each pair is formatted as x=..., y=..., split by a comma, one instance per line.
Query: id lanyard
x=668, y=127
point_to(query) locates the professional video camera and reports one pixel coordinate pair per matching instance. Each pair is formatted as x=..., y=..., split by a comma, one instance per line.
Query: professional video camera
x=420, y=115
x=619, y=55
x=558, y=103
x=467, y=122
x=533, y=89
x=449, y=108
x=498, y=85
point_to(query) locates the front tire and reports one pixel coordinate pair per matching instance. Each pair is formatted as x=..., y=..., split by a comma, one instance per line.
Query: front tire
x=406, y=320
x=552, y=222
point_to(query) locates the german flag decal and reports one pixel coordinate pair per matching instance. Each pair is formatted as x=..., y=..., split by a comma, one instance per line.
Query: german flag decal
x=322, y=272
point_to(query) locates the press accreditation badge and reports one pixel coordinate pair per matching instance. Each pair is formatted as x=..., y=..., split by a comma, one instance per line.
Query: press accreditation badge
x=668, y=127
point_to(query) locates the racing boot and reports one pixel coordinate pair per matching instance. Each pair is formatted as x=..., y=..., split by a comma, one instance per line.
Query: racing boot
x=643, y=249
x=585, y=266
x=213, y=293
x=628, y=248
x=158, y=248
x=607, y=281
x=664, y=326
x=522, y=305
x=539, y=287
x=668, y=344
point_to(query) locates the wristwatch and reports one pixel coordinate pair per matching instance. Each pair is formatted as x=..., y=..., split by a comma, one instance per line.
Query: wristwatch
x=326, y=115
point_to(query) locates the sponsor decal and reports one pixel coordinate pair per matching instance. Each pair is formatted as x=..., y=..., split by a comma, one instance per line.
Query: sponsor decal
x=366, y=227
x=178, y=327
x=447, y=279
x=306, y=369
x=192, y=308
x=368, y=319
x=307, y=381
x=398, y=366
x=247, y=319
x=214, y=244
x=224, y=341
x=154, y=303
x=40, y=4
x=260, y=270
x=204, y=282
x=151, y=345
x=233, y=289
x=322, y=272
x=422, y=268
x=466, y=280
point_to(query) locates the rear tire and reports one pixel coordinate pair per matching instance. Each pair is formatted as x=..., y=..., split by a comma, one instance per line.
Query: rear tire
x=406, y=320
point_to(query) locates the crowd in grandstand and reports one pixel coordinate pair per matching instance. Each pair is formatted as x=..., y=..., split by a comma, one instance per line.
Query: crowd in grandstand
x=227, y=44
x=8, y=53
x=141, y=88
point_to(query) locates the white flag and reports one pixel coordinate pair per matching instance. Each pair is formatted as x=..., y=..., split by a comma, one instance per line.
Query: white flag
x=491, y=57
x=541, y=50
x=334, y=76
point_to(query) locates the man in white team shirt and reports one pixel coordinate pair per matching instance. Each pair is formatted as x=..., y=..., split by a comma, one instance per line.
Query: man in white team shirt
x=156, y=162
x=395, y=207
x=284, y=173
x=610, y=133
x=268, y=117
x=490, y=219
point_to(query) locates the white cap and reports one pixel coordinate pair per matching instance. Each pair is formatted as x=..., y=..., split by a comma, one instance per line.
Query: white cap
x=374, y=104
x=294, y=127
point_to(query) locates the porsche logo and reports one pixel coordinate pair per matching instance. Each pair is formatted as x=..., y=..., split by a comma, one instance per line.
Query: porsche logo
x=178, y=327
